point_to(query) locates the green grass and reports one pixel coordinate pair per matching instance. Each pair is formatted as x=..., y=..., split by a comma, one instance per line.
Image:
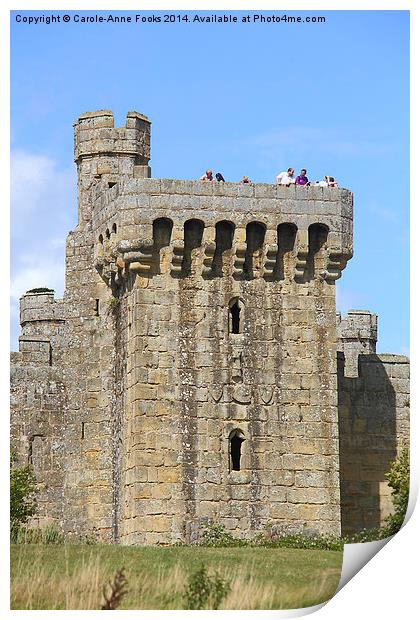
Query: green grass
x=72, y=576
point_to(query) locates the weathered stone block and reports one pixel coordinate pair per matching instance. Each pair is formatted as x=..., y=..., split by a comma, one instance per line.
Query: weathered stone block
x=135, y=386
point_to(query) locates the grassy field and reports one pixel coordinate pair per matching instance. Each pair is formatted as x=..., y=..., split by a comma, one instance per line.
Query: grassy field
x=73, y=576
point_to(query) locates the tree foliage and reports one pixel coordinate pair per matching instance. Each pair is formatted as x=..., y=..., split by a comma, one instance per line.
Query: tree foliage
x=22, y=493
x=399, y=480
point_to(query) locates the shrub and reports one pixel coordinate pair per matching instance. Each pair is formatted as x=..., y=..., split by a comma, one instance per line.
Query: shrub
x=365, y=536
x=22, y=494
x=215, y=535
x=114, y=302
x=399, y=480
x=41, y=289
x=300, y=541
x=205, y=591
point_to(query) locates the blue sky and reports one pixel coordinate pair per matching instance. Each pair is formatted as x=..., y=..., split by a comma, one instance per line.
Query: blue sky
x=243, y=98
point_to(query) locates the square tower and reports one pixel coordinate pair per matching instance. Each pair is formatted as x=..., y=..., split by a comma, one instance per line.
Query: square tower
x=225, y=306
x=199, y=348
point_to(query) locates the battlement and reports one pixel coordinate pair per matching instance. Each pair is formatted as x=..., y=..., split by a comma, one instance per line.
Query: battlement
x=40, y=313
x=190, y=373
x=37, y=305
x=360, y=326
x=139, y=221
x=357, y=333
x=106, y=153
x=95, y=134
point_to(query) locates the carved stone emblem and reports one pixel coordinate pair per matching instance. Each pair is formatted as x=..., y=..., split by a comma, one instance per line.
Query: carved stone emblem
x=242, y=394
x=267, y=393
x=216, y=392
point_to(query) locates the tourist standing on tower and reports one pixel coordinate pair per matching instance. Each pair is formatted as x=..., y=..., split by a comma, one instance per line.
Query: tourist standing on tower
x=302, y=179
x=208, y=176
x=285, y=178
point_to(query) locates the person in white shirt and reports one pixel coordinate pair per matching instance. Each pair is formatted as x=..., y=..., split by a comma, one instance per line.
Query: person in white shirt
x=208, y=176
x=327, y=182
x=286, y=178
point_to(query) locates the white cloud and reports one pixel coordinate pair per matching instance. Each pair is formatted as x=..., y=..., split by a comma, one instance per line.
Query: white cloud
x=42, y=194
x=37, y=275
x=29, y=175
x=43, y=210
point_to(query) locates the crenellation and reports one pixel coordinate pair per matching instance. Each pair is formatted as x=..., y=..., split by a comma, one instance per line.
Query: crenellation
x=194, y=358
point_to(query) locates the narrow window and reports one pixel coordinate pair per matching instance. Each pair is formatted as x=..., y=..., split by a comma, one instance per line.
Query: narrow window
x=236, y=316
x=114, y=226
x=236, y=438
x=100, y=246
x=97, y=307
x=236, y=313
x=83, y=430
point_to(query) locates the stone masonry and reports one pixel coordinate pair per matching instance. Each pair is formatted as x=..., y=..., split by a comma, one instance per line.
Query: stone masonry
x=196, y=368
x=373, y=405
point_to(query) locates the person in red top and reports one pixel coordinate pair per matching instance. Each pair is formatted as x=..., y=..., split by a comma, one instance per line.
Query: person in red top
x=302, y=179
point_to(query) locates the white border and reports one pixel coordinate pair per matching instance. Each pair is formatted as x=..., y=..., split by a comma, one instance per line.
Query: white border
x=387, y=586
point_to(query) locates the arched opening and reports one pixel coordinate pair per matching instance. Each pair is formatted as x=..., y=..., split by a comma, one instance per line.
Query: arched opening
x=317, y=238
x=107, y=233
x=101, y=239
x=114, y=228
x=255, y=234
x=224, y=239
x=193, y=235
x=236, y=316
x=286, y=237
x=236, y=439
x=162, y=231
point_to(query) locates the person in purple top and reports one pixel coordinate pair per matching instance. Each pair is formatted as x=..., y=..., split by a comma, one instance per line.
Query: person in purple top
x=302, y=179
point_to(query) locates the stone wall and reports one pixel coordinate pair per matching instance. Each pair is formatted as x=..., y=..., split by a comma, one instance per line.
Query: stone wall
x=38, y=402
x=191, y=383
x=177, y=255
x=190, y=371
x=373, y=422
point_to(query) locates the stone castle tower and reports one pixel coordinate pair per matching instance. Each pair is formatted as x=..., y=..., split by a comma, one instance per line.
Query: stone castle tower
x=190, y=371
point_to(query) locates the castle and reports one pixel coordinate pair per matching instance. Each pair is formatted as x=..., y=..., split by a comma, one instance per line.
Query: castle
x=196, y=368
